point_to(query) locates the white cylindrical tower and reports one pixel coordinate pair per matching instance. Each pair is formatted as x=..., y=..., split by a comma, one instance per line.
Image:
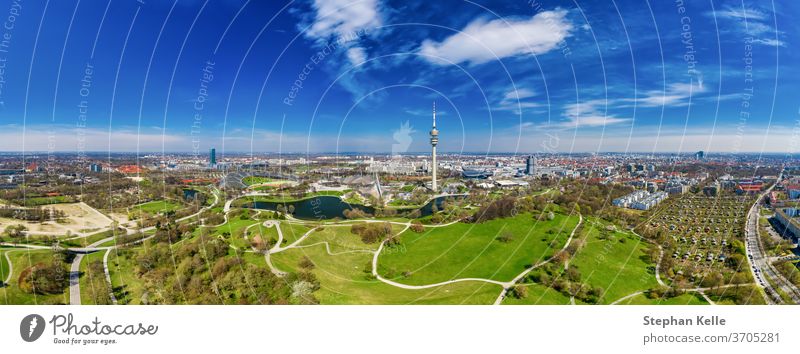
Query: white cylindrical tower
x=434, y=141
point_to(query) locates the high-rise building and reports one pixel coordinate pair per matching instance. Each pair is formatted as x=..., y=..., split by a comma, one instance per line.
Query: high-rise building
x=434, y=142
x=212, y=159
x=699, y=155
x=530, y=165
x=95, y=168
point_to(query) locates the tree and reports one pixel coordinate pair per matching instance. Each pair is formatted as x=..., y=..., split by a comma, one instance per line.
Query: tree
x=306, y=263
x=42, y=278
x=16, y=232
x=519, y=291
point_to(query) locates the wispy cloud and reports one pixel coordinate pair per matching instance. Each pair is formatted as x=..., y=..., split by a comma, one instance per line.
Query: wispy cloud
x=675, y=95
x=588, y=114
x=518, y=100
x=482, y=41
x=752, y=22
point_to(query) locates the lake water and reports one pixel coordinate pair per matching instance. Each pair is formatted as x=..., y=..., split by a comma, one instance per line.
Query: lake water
x=330, y=207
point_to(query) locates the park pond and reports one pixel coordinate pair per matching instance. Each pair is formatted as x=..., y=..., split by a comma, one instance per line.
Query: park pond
x=331, y=207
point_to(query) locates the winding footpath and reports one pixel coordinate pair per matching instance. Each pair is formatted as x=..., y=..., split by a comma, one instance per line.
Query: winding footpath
x=108, y=278
x=10, y=268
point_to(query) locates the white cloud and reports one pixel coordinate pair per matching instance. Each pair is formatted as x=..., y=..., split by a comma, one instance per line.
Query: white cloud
x=483, y=41
x=675, y=95
x=521, y=93
x=770, y=42
x=345, y=22
x=516, y=100
x=343, y=17
x=589, y=113
x=739, y=13
x=356, y=55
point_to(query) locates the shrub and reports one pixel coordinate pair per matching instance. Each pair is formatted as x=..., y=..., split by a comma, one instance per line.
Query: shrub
x=505, y=237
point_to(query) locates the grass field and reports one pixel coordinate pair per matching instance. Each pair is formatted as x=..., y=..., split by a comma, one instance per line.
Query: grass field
x=235, y=227
x=12, y=294
x=158, y=206
x=291, y=232
x=466, y=250
x=251, y=180
x=36, y=201
x=614, y=261
x=340, y=239
x=345, y=279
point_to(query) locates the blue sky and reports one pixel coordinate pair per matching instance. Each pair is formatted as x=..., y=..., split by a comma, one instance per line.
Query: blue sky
x=344, y=75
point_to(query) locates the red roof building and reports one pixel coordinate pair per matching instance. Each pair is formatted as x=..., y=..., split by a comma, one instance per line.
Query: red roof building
x=129, y=169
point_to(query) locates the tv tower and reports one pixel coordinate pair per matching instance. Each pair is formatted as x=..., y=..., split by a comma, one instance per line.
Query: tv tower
x=434, y=141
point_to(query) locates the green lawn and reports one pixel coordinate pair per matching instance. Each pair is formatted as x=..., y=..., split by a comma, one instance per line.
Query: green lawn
x=291, y=232
x=36, y=201
x=235, y=227
x=616, y=264
x=256, y=259
x=466, y=250
x=158, y=206
x=251, y=180
x=345, y=279
x=22, y=259
x=340, y=239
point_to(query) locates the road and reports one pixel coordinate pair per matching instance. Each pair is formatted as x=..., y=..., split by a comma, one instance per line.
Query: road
x=761, y=267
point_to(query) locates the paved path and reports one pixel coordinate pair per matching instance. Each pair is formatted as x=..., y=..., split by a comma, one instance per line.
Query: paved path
x=703, y=293
x=10, y=268
x=108, y=278
x=75, y=280
x=626, y=297
x=75, y=273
